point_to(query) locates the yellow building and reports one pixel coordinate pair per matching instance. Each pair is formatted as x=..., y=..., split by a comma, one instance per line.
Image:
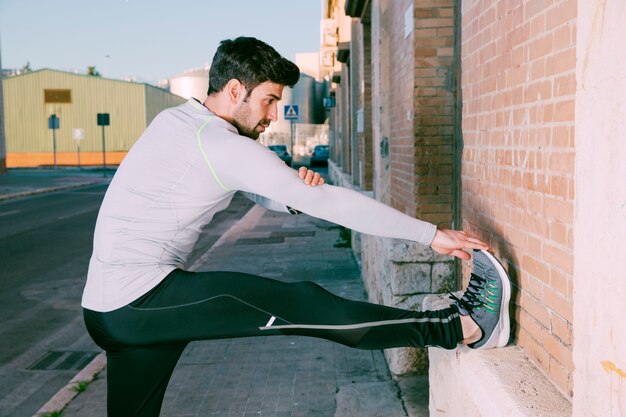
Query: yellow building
x=30, y=99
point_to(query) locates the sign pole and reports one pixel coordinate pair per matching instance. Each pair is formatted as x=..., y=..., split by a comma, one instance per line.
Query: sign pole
x=291, y=114
x=292, y=134
x=104, y=120
x=78, y=134
x=54, y=147
x=104, y=157
x=54, y=124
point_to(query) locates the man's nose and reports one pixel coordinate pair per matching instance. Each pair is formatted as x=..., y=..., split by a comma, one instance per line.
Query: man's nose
x=272, y=113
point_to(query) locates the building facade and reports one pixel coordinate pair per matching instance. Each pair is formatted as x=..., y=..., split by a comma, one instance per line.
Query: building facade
x=31, y=98
x=483, y=115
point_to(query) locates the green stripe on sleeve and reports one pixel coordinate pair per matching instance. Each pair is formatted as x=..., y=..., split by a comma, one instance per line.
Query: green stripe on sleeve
x=206, y=158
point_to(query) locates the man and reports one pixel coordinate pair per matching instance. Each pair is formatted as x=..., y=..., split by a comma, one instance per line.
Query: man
x=142, y=307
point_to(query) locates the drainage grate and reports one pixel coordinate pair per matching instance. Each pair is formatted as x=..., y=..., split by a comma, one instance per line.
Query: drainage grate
x=259, y=241
x=63, y=360
x=294, y=233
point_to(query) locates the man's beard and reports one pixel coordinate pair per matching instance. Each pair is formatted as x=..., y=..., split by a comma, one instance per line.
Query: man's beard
x=246, y=131
x=241, y=120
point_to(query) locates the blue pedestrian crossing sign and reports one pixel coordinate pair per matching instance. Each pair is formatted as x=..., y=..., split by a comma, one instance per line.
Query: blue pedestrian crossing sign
x=291, y=112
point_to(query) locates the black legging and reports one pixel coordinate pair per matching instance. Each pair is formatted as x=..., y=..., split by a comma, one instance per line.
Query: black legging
x=145, y=339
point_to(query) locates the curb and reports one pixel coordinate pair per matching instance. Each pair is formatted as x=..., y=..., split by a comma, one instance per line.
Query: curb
x=46, y=190
x=250, y=218
x=66, y=394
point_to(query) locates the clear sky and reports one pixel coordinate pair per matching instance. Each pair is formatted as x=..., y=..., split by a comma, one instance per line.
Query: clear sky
x=147, y=39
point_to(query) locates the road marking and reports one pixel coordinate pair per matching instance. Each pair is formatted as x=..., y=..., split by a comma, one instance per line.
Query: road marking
x=78, y=213
x=6, y=213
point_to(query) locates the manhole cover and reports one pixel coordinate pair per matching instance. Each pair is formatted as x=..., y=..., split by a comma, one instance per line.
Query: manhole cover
x=294, y=233
x=63, y=360
x=260, y=241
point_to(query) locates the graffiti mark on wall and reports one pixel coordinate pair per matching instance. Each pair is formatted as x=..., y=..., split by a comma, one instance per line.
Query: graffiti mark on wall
x=617, y=400
x=609, y=367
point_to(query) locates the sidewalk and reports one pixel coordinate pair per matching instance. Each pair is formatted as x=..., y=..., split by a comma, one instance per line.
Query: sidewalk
x=25, y=181
x=274, y=376
x=266, y=376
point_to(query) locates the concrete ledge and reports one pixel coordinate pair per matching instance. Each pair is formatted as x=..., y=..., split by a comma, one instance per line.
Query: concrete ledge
x=488, y=383
x=414, y=394
x=492, y=383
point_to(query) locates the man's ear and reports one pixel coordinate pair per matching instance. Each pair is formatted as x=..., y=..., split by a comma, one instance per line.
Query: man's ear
x=236, y=91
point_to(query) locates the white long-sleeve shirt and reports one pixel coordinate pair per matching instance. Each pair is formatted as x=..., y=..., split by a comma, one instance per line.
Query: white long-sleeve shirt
x=184, y=169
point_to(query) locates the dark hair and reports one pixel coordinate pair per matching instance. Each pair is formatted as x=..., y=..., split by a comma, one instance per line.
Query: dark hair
x=252, y=62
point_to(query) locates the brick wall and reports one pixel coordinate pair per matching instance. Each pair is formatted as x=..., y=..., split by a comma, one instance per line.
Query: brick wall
x=344, y=114
x=422, y=111
x=365, y=138
x=434, y=107
x=356, y=98
x=401, y=139
x=518, y=86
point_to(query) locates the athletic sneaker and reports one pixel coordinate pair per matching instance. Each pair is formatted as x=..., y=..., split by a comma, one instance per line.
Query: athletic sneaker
x=486, y=300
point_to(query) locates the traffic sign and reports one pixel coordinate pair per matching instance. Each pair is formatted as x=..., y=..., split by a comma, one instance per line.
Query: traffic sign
x=53, y=122
x=291, y=112
x=78, y=134
x=103, y=119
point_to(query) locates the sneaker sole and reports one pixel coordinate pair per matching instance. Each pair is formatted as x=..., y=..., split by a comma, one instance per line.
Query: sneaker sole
x=500, y=335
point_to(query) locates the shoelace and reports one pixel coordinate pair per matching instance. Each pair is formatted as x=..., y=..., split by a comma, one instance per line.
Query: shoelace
x=471, y=299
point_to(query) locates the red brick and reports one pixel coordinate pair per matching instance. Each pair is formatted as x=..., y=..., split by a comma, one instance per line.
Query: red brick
x=558, y=304
x=556, y=349
x=561, y=329
x=535, y=309
x=536, y=268
x=562, y=377
x=561, y=14
x=560, y=282
x=533, y=348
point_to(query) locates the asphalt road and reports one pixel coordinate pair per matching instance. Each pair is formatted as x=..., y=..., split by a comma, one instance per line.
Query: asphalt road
x=45, y=245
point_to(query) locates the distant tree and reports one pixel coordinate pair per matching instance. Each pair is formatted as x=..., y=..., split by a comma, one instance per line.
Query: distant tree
x=26, y=68
x=91, y=70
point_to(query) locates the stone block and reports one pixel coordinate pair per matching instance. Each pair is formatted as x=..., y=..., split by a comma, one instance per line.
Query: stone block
x=407, y=360
x=410, y=278
x=443, y=277
x=404, y=251
x=409, y=302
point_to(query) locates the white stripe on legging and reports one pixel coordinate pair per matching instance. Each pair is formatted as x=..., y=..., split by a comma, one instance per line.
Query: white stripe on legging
x=362, y=325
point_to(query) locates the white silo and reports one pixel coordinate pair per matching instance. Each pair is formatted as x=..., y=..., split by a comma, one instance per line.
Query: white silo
x=191, y=83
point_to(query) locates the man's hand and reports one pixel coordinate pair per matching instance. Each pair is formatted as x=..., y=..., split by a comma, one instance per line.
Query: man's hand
x=311, y=178
x=453, y=242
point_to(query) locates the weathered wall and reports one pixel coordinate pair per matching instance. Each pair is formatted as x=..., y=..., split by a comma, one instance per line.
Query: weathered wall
x=600, y=219
x=518, y=87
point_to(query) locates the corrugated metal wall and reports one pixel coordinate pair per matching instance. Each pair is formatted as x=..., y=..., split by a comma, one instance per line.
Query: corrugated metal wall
x=26, y=113
x=157, y=100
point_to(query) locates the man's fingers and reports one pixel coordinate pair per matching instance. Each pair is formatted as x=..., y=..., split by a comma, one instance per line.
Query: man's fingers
x=472, y=243
x=316, y=179
x=310, y=177
x=461, y=254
